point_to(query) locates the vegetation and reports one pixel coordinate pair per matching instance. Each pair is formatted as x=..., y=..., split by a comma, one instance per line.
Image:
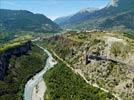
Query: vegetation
x=5, y=36
x=20, y=70
x=117, y=48
x=113, y=76
x=72, y=43
x=129, y=35
x=23, y=20
x=118, y=17
x=63, y=84
x=15, y=42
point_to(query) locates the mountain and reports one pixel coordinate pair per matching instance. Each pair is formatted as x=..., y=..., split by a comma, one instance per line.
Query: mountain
x=81, y=15
x=23, y=20
x=125, y=20
x=108, y=15
x=61, y=20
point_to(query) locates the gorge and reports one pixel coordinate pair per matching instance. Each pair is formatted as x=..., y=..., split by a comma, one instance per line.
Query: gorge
x=6, y=55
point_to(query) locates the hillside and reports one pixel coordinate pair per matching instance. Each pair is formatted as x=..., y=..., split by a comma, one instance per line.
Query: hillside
x=98, y=19
x=124, y=19
x=63, y=83
x=103, y=58
x=23, y=20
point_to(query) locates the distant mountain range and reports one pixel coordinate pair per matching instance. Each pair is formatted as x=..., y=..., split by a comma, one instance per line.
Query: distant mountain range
x=117, y=14
x=79, y=16
x=23, y=20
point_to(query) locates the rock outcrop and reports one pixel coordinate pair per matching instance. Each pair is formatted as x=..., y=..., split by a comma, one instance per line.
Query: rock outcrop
x=16, y=51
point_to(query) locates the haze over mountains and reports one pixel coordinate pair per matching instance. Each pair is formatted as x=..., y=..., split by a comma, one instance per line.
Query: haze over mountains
x=81, y=15
x=117, y=14
x=23, y=20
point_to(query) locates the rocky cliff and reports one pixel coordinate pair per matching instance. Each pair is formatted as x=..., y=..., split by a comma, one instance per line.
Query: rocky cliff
x=16, y=51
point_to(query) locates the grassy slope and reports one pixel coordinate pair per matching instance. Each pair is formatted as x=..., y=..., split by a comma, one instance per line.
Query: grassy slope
x=63, y=84
x=21, y=69
x=15, y=42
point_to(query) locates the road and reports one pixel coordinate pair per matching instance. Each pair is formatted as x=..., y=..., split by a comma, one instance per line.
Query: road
x=80, y=73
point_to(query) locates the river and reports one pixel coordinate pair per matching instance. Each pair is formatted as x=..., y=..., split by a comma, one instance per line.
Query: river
x=38, y=78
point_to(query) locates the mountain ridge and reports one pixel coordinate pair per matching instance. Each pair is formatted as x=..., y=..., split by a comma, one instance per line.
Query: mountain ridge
x=80, y=14
x=23, y=20
x=95, y=19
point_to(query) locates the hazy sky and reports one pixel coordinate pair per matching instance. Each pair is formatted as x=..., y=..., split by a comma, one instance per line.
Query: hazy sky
x=52, y=8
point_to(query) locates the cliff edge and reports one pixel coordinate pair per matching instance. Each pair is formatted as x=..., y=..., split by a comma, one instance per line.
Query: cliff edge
x=16, y=51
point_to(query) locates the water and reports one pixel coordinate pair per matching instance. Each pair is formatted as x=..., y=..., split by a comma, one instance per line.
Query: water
x=50, y=62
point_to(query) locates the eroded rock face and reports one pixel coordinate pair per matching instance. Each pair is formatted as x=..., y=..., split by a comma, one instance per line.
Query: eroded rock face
x=16, y=51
